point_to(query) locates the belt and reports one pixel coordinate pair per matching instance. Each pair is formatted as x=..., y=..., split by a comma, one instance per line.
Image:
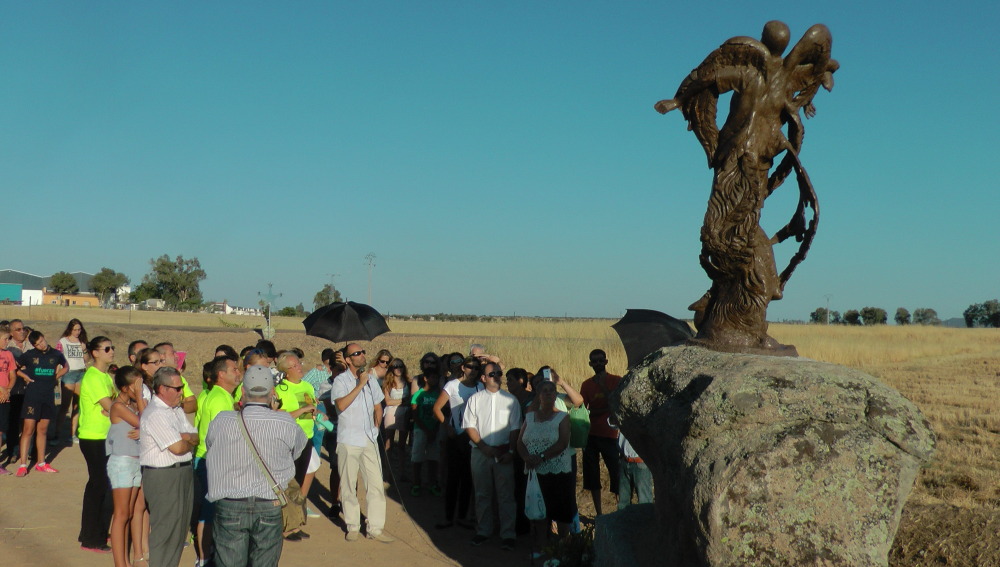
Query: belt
x=173, y=466
x=252, y=499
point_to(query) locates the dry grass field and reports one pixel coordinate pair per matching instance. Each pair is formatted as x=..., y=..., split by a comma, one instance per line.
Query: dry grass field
x=951, y=374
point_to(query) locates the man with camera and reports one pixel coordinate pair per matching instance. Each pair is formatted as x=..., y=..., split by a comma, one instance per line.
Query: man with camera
x=248, y=524
x=359, y=399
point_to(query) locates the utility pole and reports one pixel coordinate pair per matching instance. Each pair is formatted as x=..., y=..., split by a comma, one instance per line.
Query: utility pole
x=828, y=296
x=370, y=261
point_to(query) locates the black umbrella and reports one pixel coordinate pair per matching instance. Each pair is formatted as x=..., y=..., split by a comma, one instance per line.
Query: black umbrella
x=643, y=331
x=342, y=322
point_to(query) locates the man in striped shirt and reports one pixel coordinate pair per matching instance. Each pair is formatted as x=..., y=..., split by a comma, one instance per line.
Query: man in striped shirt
x=248, y=522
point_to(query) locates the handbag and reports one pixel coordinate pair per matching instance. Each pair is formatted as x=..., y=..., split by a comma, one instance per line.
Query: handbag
x=534, y=503
x=579, y=427
x=294, y=515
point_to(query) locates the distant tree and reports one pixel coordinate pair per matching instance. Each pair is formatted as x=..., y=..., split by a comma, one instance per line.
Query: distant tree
x=925, y=316
x=142, y=292
x=874, y=316
x=63, y=283
x=176, y=282
x=107, y=282
x=835, y=318
x=820, y=316
x=326, y=296
x=297, y=311
x=852, y=317
x=986, y=314
x=902, y=316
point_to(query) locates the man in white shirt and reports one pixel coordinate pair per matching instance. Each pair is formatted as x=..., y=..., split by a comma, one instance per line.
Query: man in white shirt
x=358, y=401
x=492, y=419
x=166, y=442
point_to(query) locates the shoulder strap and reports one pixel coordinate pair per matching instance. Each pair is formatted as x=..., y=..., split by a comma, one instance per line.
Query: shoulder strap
x=278, y=491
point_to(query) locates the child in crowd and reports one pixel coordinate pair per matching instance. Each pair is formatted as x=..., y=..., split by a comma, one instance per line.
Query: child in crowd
x=8, y=373
x=425, y=445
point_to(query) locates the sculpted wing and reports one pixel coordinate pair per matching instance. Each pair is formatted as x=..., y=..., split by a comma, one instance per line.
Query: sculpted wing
x=722, y=71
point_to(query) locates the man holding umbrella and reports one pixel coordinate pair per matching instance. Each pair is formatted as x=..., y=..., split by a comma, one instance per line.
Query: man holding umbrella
x=359, y=402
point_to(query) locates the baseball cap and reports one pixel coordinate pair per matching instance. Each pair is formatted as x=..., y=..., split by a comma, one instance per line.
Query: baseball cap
x=258, y=380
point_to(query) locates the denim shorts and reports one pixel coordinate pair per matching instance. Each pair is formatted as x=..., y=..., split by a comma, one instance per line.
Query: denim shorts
x=124, y=471
x=73, y=377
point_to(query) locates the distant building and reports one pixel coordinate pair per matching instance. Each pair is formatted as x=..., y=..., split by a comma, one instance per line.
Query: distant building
x=70, y=299
x=33, y=288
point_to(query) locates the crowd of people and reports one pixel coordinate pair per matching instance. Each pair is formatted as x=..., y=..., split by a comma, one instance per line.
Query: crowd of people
x=230, y=469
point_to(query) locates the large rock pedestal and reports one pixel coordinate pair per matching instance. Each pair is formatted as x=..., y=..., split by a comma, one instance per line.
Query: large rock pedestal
x=764, y=461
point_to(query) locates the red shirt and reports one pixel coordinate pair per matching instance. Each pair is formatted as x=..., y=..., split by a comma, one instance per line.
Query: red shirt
x=6, y=363
x=596, y=400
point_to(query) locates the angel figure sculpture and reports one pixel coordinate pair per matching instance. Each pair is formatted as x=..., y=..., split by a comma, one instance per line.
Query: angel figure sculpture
x=768, y=93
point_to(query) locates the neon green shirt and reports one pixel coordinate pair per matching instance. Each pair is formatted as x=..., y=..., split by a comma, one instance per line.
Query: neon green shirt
x=94, y=387
x=187, y=390
x=294, y=396
x=210, y=403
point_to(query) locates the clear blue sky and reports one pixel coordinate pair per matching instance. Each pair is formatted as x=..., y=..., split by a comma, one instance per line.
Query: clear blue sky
x=496, y=157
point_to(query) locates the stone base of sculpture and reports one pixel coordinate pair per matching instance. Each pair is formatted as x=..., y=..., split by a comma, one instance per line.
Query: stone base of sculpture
x=762, y=460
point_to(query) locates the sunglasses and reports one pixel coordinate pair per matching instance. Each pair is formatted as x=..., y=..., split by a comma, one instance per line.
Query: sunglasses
x=457, y=361
x=356, y=353
x=383, y=361
x=495, y=374
x=109, y=349
x=175, y=388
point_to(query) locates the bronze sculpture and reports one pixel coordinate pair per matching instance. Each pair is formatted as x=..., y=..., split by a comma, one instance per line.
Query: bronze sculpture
x=768, y=93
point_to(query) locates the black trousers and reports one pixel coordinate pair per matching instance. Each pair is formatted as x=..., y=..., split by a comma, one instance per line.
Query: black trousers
x=95, y=519
x=458, y=478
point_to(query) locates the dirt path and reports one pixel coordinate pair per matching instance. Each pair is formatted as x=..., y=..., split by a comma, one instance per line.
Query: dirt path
x=40, y=520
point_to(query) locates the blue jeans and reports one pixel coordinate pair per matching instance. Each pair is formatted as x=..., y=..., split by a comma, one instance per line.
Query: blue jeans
x=634, y=476
x=247, y=533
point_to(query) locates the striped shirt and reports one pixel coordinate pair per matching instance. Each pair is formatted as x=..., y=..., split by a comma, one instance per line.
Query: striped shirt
x=233, y=471
x=160, y=427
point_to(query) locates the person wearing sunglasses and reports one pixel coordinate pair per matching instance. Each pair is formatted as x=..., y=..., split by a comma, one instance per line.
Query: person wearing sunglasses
x=492, y=420
x=167, y=441
x=380, y=365
x=458, y=478
x=97, y=393
x=359, y=401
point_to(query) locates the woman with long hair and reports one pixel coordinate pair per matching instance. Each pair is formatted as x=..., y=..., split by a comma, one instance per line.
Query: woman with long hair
x=122, y=446
x=97, y=393
x=73, y=345
x=395, y=421
x=379, y=365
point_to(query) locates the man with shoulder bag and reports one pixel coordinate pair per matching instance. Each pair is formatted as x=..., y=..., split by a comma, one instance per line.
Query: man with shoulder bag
x=251, y=460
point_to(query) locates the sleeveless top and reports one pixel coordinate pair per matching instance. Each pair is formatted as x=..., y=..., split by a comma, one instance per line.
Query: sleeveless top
x=540, y=435
x=118, y=444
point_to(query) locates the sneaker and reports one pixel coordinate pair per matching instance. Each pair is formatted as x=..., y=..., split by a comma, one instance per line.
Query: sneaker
x=415, y=490
x=479, y=540
x=303, y=535
x=435, y=490
x=353, y=536
x=507, y=544
x=312, y=513
x=22, y=471
x=76, y=440
x=382, y=537
x=294, y=536
x=45, y=467
x=4, y=471
x=99, y=549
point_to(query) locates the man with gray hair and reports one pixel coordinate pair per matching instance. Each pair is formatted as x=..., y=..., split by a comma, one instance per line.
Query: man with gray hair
x=248, y=523
x=166, y=443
